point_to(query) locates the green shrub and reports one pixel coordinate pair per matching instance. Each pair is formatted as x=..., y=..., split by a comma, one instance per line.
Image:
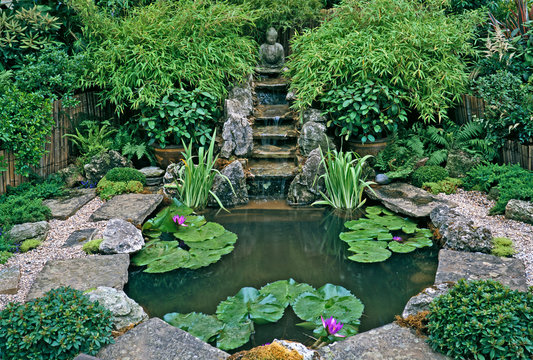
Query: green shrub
x=29, y=244
x=125, y=174
x=399, y=157
x=92, y=246
x=59, y=326
x=447, y=186
x=5, y=256
x=502, y=246
x=51, y=187
x=107, y=189
x=22, y=209
x=426, y=174
x=482, y=320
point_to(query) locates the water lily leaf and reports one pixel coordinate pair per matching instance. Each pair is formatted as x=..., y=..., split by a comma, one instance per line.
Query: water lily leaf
x=397, y=247
x=371, y=255
x=375, y=210
x=286, y=291
x=266, y=309
x=419, y=242
x=354, y=236
x=236, y=335
x=409, y=229
x=204, y=327
x=153, y=251
x=366, y=245
x=163, y=220
x=227, y=238
x=195, y=221
x=424, y=232
x=202, y=233
x=360, y=224
x=174, y=259
x=385, y=236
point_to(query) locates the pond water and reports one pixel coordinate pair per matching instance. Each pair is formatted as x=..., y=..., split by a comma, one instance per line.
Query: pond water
x=278, y=244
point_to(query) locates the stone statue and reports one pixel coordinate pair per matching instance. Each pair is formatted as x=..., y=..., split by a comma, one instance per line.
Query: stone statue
x=271, y=54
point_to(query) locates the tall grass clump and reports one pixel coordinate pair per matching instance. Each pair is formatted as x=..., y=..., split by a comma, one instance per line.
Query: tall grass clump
x=344, y=180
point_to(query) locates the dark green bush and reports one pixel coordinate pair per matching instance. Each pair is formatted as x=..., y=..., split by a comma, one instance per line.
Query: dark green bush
x=125, y=174
x=36, y=190
x=22, y=209
x=447, y=186
x=107, y=189
x=482, y=320
x=5, y=256
x=427, y=174
x=59, y=326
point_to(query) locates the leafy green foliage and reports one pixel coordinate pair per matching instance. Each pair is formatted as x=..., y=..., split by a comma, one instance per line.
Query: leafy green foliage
x=408, y=45
x=364, y=111
x=399, y=157
x=430, y=173
x=375, y=236
x=192, y=45
x=344, y=180
x=92, y=246
x=236, y=316
x=5, y=256
x=93, y=139
x=29, y=244
x=107, y=189
x=59, y=325
x=46, y=189
x=447, y=186
x=502, y=246
x=22, y=209
x=125, y=174
x=25, y=122
x=201, y=243
x=482, y=320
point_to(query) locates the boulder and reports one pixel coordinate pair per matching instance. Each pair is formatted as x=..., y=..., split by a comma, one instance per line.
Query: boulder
x=313, y=135
x=36, y=230
x=9, y=280
x=125, y=310
x=459, y=163
x=313, y=115
x=121, y=237
x=459, y=233
x=306, y=186
x=71, y=175
x=100, y=164
x=238, y=137
x=240, y=100
x=134, y=208
x=421, y=301
x=170, y=177
x=152, y=171
x=228, y=196
x=64, y=208
x=520, y=210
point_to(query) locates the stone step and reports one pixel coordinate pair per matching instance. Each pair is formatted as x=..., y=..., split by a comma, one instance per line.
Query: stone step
x=273, y=84
x=272, y=168
x=282, y=132
x=273, y=112
x=267, y=72
x=274, y=152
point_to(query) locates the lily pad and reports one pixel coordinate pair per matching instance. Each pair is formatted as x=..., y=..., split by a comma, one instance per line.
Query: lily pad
x=204, y=327
x=397, y=247
x=236, y=335
x=227, y=238
x=171, y=261
x=354, y=236
x=419, y=242
x=153, y=251
x=202, y=233
x=371, y=255
x=163, y=220
x=367, y=245
x=286, y=291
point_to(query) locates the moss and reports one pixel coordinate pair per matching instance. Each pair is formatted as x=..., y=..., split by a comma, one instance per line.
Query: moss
x=107, y=189
x=5, y=256
x=29, y=244
x=125, y=174
x=92, y=246
x=418, y=322
x=272, y=351
x=447, y=186
x=502, y=246
x=428, y=174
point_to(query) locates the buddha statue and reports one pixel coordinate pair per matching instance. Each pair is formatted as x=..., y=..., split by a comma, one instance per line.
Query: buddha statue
x=271, y=54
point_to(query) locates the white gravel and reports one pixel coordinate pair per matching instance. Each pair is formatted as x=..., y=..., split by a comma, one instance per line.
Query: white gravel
x=32, y=262
x=475, y=205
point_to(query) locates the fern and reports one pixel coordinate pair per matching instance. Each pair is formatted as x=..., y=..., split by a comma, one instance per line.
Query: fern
x=438, y=157
x=138, y=150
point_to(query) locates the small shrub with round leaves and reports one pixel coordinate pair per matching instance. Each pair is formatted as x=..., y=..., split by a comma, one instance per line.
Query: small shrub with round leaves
x=428, y=174
x=482, y=320
x=125, y=174
x=59, y=326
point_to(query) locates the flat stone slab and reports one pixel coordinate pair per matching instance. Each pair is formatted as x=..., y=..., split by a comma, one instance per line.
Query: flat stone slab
x=407, y=199
x=455, y=265
x=156, y=340
x=85, y=357
x=80, y=237
x=66, y=207
x=9, y=280
x=134, y=208
x=389, y=342
x=82, y=274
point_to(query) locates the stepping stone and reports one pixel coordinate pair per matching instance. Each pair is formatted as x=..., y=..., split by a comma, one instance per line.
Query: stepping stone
x=455, y=265
x=406, y=199
x=281, y=132
x=80, y=237
x=82, y=274
x=134, y=208
x=274, y=152
x=9, y=280
x=390, y=342
x=156, y=340
x=66, y=207
x=85, y=357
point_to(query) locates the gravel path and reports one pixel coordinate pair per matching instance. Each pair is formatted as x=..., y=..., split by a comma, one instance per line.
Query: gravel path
x=32, y=262
x=475, y=205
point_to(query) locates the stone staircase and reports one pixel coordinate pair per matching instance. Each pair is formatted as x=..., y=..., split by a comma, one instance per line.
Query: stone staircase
x=273, y=163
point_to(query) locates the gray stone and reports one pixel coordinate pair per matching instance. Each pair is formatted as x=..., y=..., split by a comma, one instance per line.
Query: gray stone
x=152, y=172
x=134, y=208
x=121, y=237
x=306, y=186
x=125, y=311
x=240, y=100
x=80, y=237
x=455, y=265
x=459, y=233
x=222, y=189
x=271, y=53
x=290, y=96
x=9, y=280
x=307, y=354
x=389, y=342
x=313, y=115
x=312, y=136
x=100, y=164
x=156, y=340
x=382, y=179
x=66, y=207
x=519, y=210
x=238, y=137
x=86, y=357
x=154, y=181
x=36, y=230
x=406, y=199
x=71, y=175
x=82, y=274
x=459, y=163
x=170, y=177
x=421, y=301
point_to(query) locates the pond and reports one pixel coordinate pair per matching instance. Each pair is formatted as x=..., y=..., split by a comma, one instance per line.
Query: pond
x=278, y=244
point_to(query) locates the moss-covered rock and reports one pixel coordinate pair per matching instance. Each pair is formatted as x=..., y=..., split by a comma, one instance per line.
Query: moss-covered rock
x=107, y=189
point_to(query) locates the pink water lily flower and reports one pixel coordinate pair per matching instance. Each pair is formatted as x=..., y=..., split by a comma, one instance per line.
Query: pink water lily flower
x=332, y=326
x=397, y=238
x=179, y=220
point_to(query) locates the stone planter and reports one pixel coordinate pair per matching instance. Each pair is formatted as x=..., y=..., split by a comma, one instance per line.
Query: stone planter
x=368, y=148
x=168, y=155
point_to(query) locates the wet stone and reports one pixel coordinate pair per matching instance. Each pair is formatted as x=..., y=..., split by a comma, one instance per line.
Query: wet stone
x=80, y=237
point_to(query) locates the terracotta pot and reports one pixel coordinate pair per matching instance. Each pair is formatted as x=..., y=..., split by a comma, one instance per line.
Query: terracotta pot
x=368, y=148
x=168, y=155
